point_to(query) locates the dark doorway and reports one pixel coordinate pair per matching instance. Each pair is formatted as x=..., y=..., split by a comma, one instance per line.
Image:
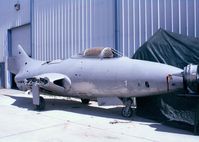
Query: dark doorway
x=2, y=75
x=13, y=84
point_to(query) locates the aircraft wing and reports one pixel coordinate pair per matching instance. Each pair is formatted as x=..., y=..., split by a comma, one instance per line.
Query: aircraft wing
x=51, y=82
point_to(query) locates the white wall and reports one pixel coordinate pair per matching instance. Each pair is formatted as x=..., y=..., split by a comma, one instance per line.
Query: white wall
x=10, y=18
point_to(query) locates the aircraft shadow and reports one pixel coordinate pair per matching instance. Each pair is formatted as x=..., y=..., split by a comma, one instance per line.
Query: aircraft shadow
x=71, y=106
x=78, y=107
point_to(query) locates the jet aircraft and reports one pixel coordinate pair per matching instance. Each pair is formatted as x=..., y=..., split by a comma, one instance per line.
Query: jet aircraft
x=97, y=73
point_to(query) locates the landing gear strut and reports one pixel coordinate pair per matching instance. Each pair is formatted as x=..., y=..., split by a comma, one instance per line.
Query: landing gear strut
x=38, y=101
x=130, y=106
x=41, y=105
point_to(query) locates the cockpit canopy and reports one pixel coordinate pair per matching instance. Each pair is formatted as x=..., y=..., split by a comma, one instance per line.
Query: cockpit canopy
x=97, y=52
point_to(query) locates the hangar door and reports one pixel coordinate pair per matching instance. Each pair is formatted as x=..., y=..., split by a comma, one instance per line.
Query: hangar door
x=19, y=35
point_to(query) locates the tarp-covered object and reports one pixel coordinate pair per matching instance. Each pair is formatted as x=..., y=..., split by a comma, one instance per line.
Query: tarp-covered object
x=170, y=48
x=176, y=50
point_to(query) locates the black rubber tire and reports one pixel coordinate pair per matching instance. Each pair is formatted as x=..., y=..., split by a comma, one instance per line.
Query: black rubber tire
x=42, y=104
x=127, y=113
x=85, y=101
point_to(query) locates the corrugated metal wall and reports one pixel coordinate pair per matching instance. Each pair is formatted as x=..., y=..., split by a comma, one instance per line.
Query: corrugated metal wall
x=62, y=28
x=139, y=19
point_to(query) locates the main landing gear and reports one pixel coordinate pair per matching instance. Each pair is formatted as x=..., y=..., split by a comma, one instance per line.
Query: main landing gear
x=85, y=101
x=130, y=107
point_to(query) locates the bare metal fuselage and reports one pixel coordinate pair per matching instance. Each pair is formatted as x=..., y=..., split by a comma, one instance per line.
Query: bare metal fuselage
x=95, y=77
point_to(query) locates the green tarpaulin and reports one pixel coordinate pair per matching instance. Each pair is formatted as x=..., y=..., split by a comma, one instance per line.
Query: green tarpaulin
x=176, y=50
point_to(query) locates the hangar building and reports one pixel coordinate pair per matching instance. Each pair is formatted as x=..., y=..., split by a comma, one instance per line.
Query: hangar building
x=52, y=29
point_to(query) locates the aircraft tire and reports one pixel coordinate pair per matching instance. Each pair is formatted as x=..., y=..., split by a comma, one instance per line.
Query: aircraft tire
x=85, y=101
x=127, y=112
x=42, y=104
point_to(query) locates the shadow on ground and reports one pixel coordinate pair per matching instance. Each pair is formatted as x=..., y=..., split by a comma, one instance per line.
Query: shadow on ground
x=69, y=105
x=77, y=107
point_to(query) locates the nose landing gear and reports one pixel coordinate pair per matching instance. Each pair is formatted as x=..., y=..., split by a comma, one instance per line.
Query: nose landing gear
x=38, y=101
x=41, y=105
